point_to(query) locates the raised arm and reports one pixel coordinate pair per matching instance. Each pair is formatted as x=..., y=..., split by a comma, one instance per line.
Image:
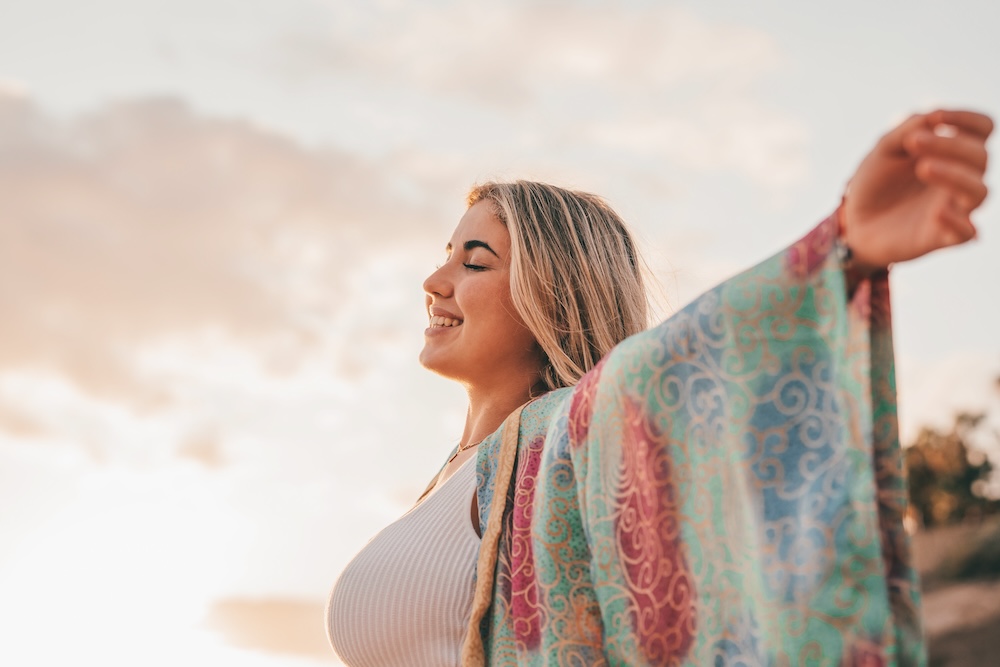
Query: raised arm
x=726, y=488
x=728, y=485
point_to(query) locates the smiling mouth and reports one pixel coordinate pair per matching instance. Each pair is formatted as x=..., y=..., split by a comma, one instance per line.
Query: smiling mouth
x=438, y=321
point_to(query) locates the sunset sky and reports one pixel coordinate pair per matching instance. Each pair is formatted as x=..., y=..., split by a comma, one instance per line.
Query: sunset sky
x=215, y=218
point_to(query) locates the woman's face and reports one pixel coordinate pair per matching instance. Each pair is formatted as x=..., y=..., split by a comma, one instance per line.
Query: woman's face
x=475, y=335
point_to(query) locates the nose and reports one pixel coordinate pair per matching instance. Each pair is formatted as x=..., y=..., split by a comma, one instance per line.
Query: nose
x=438, y=283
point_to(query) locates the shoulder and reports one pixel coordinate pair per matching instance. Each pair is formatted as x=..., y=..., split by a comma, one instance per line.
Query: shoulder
x=546, y=405
x=536, y=417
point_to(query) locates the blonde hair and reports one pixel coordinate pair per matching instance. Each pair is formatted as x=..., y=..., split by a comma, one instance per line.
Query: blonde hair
x=576, y=277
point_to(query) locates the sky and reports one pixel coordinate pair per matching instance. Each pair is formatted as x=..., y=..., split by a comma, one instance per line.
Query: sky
x=216, y=216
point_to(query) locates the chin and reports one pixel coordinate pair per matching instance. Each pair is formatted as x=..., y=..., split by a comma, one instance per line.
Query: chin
x=441, y=367
x=429, y=361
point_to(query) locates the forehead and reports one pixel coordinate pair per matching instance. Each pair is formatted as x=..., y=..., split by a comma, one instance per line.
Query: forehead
x=479, y=224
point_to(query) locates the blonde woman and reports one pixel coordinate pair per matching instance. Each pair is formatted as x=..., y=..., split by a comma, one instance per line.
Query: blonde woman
x=724, y=488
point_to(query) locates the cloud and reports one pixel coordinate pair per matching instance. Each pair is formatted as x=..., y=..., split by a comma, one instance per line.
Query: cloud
x=276, y=625
x=584, y=81
x=12, y=88
x=18, y=424
x=511, y=54
x=145, y=220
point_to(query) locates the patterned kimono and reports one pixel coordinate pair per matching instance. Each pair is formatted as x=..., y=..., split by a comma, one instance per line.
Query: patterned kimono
x=723, y=489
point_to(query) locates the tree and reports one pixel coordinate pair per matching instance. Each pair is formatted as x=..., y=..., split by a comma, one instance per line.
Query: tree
x=947, y=478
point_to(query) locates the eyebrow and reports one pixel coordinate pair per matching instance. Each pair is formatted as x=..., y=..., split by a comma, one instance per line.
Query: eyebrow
x=474, y=243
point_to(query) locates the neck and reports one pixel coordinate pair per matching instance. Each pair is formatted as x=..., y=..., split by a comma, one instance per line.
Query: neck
x=488, y=407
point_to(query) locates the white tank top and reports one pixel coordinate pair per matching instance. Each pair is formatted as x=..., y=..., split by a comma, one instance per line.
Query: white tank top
x=405, y=599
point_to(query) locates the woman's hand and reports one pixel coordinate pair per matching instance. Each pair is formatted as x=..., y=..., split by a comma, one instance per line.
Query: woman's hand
x=915, y=191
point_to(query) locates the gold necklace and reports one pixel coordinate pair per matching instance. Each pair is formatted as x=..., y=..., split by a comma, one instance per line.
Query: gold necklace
x=463, y=449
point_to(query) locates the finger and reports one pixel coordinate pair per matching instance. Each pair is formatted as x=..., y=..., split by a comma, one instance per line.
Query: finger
x=957, y=227
x=964, y=184
x=972, y=122
x=961, y=148
x=893, y=141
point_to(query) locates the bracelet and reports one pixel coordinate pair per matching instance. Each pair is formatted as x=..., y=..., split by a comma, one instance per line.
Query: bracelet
x=844, y=254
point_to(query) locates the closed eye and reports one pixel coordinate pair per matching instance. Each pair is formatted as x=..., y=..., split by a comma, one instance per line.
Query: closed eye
x=474, y=267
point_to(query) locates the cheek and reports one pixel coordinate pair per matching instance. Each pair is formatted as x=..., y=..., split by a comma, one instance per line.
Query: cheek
x=507, y=312
x=497, y=315
x=515, y=328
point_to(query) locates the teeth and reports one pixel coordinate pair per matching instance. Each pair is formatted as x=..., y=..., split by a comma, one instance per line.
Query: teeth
x=438, y=321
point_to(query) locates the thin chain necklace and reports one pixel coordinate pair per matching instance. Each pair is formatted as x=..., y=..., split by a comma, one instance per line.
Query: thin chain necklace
x=463, y=449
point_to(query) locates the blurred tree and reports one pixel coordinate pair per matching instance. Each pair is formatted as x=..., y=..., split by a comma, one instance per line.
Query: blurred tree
x=948, y=478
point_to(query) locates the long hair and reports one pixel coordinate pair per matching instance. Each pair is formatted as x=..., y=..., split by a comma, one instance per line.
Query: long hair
x=576, y=277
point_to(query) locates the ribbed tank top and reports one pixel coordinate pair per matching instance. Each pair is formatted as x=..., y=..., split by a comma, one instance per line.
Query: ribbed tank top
x=405, y=599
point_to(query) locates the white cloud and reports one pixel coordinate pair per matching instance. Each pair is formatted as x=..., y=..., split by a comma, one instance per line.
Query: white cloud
x=145, y=220
x=581, y=82
x=12, y=88
x=132, y=559
x=204, y=307
x=513, y=53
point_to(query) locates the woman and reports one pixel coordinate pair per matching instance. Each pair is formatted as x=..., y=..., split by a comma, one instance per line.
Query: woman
x=724, y=488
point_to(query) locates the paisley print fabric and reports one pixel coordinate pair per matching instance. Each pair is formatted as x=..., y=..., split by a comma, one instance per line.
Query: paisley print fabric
x=723, y=489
